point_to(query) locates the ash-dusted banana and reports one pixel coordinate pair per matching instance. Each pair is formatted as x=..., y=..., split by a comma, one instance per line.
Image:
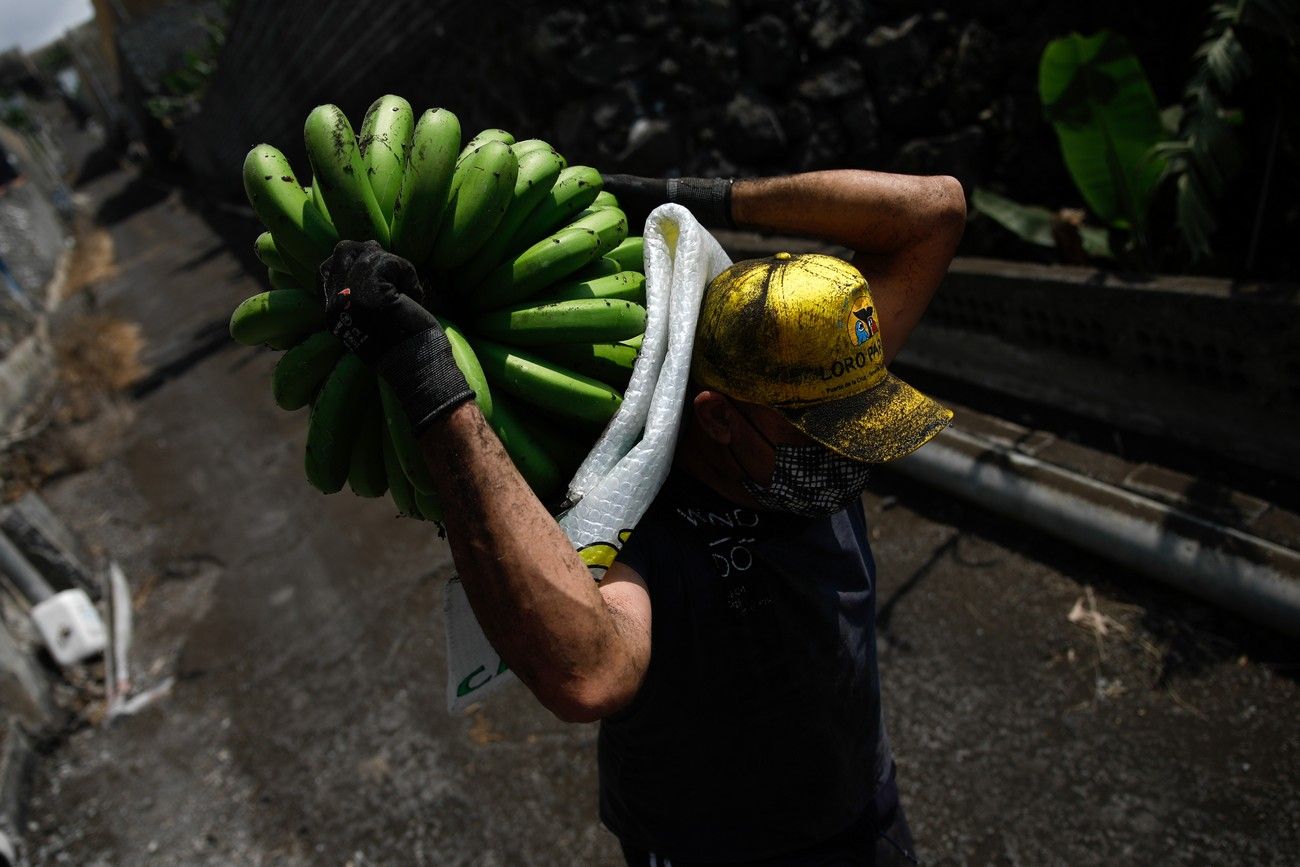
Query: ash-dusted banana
x=481, y=192
x=301, y=371
x=545, y=384
x=408, y=449
x=483, y=138
x=630, y=254
x=276, y=316
x=575, y=189
x=341, y=173
x=621, y=285
x=602, y=267
x=538, y=171
x=399, y=487
x=585, y=320
x=529, y=454
x=463, y=354
x=280, y=203
x=609, y=362
x=385, y=143
x=609, y=224
x=335, y=423
x=530, y=145
x=545, y=262
x=418, y=211
x=367, y=476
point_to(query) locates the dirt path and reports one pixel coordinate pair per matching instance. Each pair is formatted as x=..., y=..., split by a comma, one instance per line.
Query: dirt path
x=306, y=725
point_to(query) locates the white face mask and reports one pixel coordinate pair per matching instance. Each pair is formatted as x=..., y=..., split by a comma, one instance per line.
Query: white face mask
x=807, y=480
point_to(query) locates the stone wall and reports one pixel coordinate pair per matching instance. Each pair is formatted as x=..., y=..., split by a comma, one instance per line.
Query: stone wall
x=707, y=87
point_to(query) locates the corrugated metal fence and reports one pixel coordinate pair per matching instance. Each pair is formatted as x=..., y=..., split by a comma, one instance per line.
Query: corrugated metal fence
x=281, y=59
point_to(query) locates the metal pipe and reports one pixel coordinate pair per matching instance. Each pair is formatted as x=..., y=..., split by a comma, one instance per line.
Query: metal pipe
x=24, y=576
x=1243, y=573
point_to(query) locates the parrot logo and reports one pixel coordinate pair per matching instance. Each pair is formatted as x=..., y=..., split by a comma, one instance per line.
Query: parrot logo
x=864, y=325
x=599, y=556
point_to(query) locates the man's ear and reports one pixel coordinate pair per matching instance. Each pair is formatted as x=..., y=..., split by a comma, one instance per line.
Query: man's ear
x=714, y=412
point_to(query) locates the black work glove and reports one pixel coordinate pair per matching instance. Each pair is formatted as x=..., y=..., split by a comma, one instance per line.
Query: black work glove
x=372, y=304
x=708, y=199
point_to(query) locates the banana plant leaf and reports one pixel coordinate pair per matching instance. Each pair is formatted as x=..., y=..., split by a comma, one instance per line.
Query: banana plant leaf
x=1033, y=223
x=1097, y=96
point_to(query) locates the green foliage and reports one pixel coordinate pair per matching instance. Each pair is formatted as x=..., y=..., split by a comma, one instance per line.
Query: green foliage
x=1096, y=94
x=1034, y=223
x=1207, y=154
x=184, y=86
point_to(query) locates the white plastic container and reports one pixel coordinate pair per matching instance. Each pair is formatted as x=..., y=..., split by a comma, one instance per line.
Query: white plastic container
x=70, y=626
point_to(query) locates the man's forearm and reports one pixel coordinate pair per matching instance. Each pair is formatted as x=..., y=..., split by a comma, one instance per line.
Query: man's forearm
x=904, y=230
x=532, y=593
x=877, y=213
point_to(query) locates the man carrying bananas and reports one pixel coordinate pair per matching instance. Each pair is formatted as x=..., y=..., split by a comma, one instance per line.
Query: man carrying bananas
x=729, y=652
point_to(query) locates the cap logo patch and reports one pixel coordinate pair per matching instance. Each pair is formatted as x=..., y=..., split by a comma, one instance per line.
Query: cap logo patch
x=864, y=324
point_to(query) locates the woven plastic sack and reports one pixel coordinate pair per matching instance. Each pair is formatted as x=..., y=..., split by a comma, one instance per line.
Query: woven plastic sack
x=628, y=464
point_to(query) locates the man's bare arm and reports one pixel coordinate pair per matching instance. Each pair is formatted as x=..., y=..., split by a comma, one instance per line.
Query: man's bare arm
x=581, y=648
x=904, y=230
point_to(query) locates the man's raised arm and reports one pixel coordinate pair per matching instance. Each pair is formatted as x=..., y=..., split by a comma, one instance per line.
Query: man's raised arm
x=903, y=229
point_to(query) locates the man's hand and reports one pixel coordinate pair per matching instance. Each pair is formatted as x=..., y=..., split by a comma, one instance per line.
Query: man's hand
x=372, y=304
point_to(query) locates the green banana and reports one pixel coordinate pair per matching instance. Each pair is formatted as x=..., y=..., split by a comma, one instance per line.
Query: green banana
x=367, y=476
x=605, y=199
x=483, y=138
x=399, y=487
x=303, y=368
x=584, y=320
x=481, y=194
x=548, y=260
x=609, y=224
x=529, y=455
x=538, y=171
x=318, y=199
x=336, y=161
x=630, y=255
x=623, y=285
x=265, y=249
x=575, y=189
x=609, y=362
x=408, y=450
x=278, y=200
x=532, y=145
x=602, y=267
x=428, y=504
x=277, y=315
x=568, y=451
x=634, y=342
x=417, y=213
x=546, y=385
x=465, y=359
x=386, y=134
x=282, y=280
x=335, y=423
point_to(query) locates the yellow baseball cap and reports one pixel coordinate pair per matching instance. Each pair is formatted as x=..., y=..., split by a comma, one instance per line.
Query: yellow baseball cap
x=800, y=334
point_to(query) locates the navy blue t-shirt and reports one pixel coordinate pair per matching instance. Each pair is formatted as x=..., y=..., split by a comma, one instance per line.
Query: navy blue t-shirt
x=758, y=728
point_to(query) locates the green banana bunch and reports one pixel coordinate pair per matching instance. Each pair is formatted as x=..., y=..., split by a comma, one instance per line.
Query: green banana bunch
x=547, y=302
